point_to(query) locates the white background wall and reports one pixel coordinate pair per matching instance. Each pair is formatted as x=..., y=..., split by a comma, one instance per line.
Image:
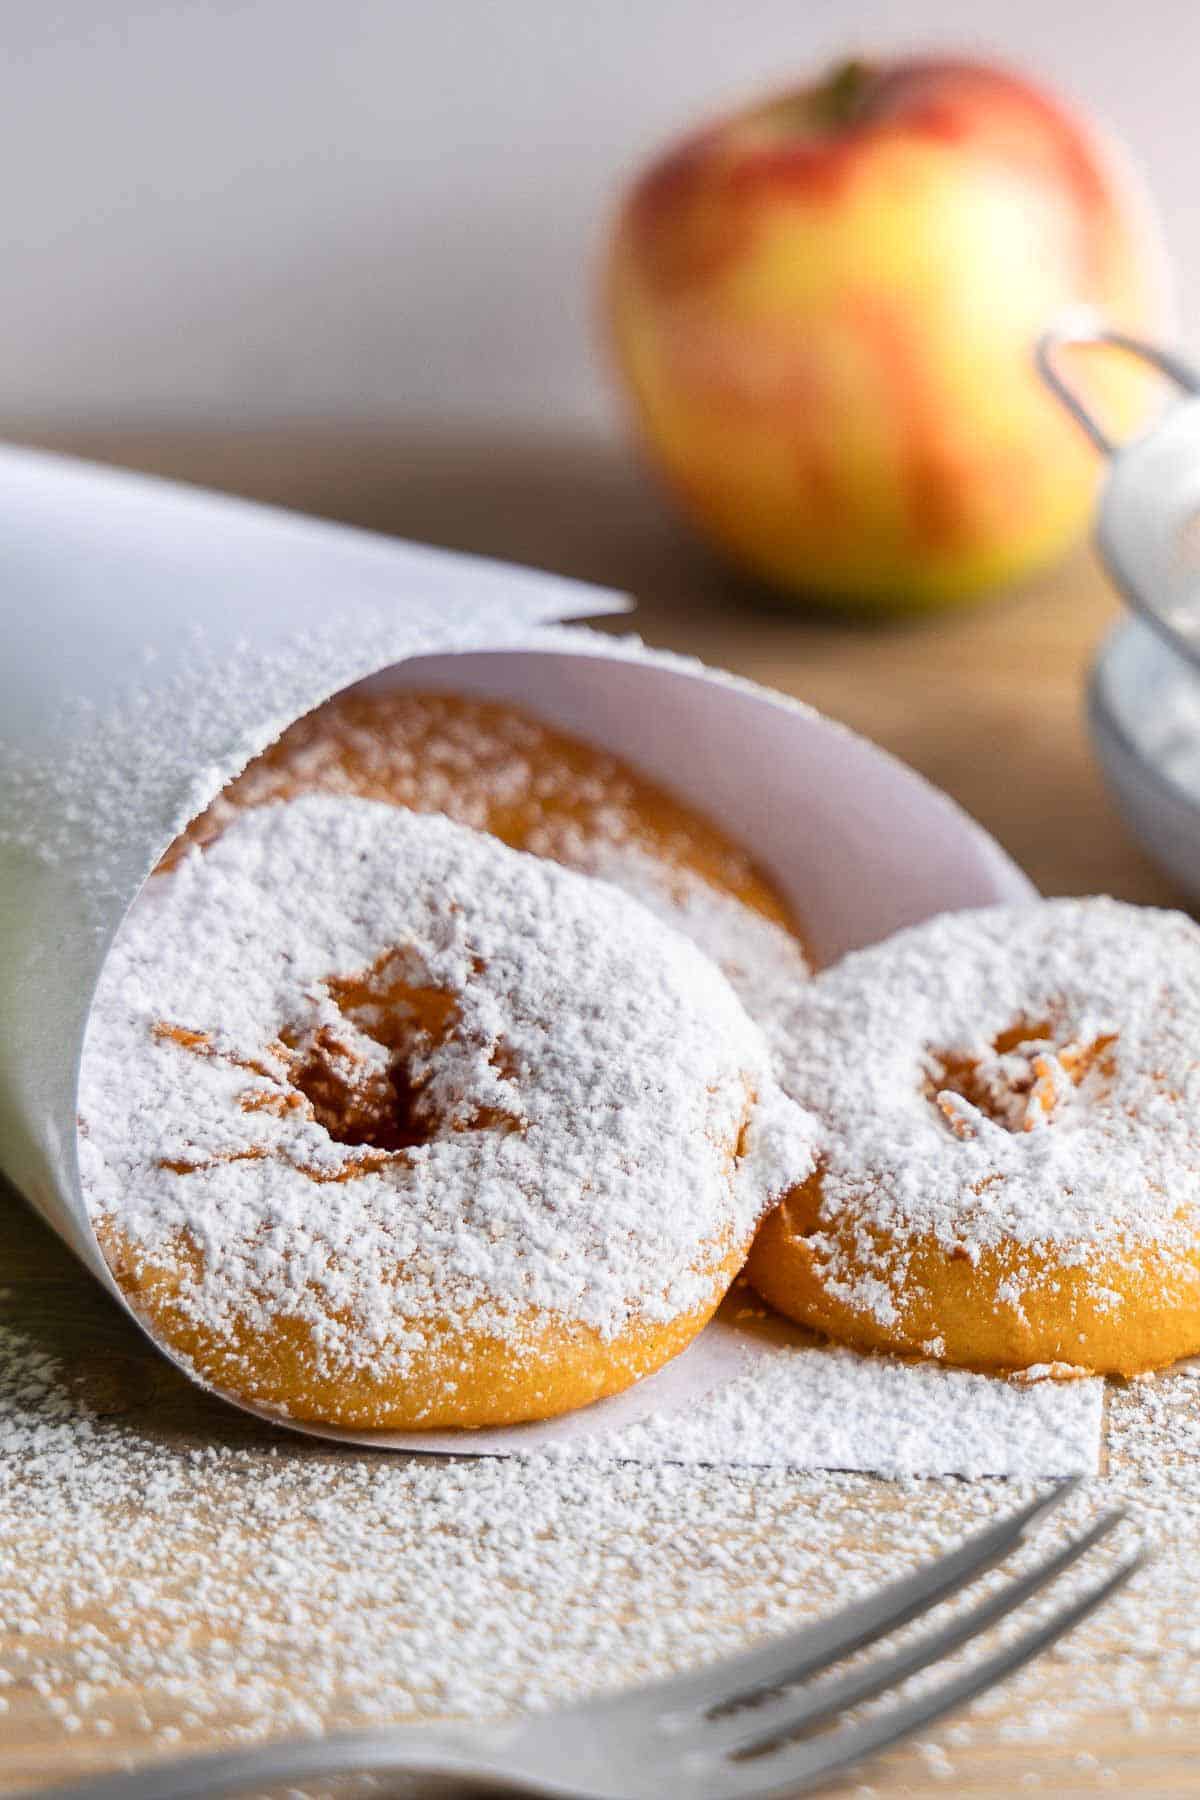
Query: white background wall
x=242, y=209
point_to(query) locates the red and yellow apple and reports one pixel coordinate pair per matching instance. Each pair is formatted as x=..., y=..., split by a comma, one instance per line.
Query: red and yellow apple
x=825, y=307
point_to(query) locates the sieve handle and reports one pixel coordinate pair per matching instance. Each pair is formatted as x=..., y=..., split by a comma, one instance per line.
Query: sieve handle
x=1084, y=331
x=1148, y=519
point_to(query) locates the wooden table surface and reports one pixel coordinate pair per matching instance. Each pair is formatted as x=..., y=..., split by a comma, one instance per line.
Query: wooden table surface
x=987, y=704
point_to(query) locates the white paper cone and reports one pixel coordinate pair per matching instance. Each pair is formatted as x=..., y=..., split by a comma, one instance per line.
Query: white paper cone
x=157, y=638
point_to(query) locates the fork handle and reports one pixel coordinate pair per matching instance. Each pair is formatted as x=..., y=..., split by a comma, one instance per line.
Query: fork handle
x=461, y=1758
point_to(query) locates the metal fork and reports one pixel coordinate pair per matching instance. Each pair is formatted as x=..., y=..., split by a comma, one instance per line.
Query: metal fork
x=743, y=1729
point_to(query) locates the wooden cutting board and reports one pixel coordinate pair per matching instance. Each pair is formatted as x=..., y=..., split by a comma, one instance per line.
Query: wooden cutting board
x=988, y=704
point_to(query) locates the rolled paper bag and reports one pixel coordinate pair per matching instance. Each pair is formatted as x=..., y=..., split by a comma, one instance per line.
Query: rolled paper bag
x=156, y=638
x=159, y=637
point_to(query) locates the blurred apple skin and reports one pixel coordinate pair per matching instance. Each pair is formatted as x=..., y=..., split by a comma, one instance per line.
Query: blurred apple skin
x=824, y=309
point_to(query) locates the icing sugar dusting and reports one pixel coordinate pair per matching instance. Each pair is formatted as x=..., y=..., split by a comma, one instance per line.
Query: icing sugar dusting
x=251, y=1584
x=1021, y=1073
x=497, y=768
x=762, y=961
x=582, y=1077
x=119, y=781
x=788, y=1402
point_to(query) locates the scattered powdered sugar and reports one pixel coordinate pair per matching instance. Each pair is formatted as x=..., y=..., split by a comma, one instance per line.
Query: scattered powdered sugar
x=582, y=1077
x=176, y=1576
x=1021, y=1073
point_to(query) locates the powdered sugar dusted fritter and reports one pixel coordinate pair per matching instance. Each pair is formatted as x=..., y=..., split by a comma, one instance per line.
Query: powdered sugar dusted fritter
x=495, y=767
x=1008, y=1098
x=381, y=1071
x=762, y=960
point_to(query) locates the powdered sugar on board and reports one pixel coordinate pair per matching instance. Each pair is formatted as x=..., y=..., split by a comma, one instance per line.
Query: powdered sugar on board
x=251, y=1584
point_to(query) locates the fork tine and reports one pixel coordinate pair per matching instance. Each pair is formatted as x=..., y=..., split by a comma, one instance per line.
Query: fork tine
x=810, y=1765
x=815, y=1647
x=745, y=1732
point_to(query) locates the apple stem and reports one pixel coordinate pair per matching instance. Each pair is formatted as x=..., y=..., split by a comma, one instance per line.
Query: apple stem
x=835, y=100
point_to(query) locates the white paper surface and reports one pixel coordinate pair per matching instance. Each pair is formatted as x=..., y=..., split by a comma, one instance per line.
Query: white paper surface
x=761, y=1393
x=158, y=638
x=783, y=1403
